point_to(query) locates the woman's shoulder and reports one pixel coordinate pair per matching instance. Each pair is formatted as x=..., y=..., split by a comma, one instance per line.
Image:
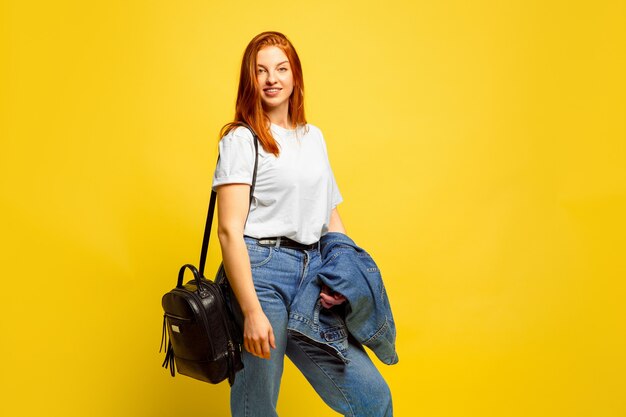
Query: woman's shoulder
x=239, y=133
x=313, y=131
x=311, y=128
x=316, y=138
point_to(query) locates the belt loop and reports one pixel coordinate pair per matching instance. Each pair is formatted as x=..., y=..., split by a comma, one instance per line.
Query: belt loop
x=319, y=246
x=278, y=242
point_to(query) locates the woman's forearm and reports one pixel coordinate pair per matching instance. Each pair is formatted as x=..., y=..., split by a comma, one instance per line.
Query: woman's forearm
x=237, y=266
x=335, y=224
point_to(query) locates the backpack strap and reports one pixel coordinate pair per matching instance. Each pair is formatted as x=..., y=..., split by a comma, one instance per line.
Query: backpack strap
x=209, y=218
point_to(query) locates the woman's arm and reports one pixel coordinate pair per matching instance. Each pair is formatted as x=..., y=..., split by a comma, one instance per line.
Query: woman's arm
x=233, y=200
x=330, y=299
x=335, y=224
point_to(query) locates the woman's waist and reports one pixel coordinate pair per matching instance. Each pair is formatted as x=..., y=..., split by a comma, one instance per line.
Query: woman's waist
x=283, y=241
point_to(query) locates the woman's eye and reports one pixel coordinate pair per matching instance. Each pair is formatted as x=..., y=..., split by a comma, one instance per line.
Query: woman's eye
x=283, y=68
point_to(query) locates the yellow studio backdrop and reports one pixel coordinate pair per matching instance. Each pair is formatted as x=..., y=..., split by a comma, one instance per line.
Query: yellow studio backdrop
x=480, y=148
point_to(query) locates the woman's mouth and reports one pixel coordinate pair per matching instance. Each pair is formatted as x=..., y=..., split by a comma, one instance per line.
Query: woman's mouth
x=272, y=91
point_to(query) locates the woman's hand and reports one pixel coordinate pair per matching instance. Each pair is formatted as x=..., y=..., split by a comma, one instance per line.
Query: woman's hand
x=330, y=298
x=258, y=334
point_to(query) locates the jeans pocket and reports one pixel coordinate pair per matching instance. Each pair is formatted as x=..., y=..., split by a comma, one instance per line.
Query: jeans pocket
x=259, y=255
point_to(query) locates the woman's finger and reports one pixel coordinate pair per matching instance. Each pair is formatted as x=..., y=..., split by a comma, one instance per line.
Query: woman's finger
x=325, y=297
x=335, y=299
x=252, y=346
x=339, y=297
x=272, y=339
x=265, y=349
x=249, y=346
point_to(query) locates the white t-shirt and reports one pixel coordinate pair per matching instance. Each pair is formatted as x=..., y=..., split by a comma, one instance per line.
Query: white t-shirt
x=294, y=193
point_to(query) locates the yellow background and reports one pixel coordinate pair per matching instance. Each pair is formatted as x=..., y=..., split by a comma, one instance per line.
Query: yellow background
x=480, y=148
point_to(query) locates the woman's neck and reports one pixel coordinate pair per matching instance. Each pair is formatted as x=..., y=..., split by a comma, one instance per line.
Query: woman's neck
x=280, y=117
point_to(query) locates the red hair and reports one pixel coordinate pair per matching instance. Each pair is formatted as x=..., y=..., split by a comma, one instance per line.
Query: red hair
x=249, y=107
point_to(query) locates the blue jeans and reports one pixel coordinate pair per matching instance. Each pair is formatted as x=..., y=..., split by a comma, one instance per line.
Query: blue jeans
x=354, y=389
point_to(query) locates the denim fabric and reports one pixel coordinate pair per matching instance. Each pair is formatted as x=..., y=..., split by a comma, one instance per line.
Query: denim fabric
x=351, y=389
x=349, y=270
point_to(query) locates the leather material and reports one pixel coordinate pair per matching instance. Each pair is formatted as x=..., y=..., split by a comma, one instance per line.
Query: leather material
x=201, y=331
x=286, y=243
x=204, y=341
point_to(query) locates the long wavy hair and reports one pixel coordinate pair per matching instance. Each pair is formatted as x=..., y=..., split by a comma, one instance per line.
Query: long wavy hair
x=249, y=107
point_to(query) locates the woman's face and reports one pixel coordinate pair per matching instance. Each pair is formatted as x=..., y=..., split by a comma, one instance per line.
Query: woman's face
x=275, y=77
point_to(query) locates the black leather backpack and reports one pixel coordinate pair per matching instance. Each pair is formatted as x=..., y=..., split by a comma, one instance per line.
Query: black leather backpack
x=203, y=338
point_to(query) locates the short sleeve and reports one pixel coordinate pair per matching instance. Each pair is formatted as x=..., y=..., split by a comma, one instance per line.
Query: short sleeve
x=336, y=197
x=236, y=158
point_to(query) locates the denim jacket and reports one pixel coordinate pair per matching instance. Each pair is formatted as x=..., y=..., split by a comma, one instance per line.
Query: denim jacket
x=349, y=270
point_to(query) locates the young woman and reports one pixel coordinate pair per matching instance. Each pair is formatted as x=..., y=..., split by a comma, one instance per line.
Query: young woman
x=271, y=251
